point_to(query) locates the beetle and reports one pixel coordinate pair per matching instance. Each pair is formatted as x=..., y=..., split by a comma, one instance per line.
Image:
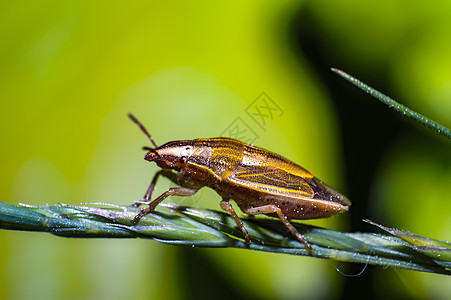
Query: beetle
x=259, y=181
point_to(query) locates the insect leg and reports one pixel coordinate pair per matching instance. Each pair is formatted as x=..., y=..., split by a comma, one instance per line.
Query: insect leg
x=225, y=205
x=270, y=209
x=148, y=194
x=175, y=191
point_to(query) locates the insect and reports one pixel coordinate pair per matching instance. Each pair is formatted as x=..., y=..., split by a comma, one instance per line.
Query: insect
x=259, y=181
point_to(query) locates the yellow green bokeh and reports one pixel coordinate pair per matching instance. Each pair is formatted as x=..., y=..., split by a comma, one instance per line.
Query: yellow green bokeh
x=71, y=71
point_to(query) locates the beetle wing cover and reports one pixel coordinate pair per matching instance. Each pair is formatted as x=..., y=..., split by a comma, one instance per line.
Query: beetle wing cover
x=272, y=180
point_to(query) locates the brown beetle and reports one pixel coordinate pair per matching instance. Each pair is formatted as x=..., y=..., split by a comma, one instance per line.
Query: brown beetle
x=259, y=181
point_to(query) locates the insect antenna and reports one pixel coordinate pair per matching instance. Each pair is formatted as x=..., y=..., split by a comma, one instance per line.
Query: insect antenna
x=143, y=129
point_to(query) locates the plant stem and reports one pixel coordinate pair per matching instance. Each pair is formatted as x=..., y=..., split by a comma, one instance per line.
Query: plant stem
x=201, y=227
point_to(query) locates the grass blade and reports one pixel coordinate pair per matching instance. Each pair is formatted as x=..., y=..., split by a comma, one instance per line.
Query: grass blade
x=395, y=105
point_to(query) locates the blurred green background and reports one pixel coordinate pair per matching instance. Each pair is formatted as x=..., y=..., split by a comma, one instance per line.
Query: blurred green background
x=71, y=71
